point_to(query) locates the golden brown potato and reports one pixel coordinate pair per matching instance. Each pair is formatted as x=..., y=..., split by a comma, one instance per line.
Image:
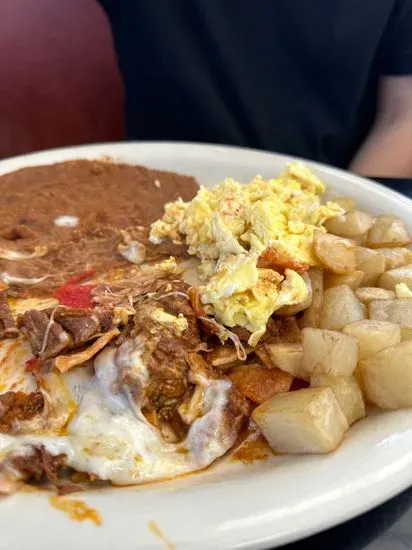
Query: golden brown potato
x=395, y=311
x=369, y=293
x=352, y=279
x=312, y=316
x=393, y=277
x=371, y=263
x=329, y=352
x=396, y=257
x=341, y=307
x=334, y=253
x=258, y=383
x=352, y=224
x=347, y=203
x=387, y=377
x=387, y=231
x=224, y=356
x=304, y=421
x=373, y=336
x=287, y=357
x=347, y=393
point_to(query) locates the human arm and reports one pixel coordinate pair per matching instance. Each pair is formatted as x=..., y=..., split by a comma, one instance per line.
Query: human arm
x=387, y=150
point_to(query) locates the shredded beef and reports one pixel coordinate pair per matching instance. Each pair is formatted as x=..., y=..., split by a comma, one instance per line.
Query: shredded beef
x=42, y=467
x=18, y=406
x=70, y=328
x=8, y=327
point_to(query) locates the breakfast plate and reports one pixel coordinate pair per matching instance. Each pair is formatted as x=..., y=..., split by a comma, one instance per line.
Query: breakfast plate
x=231, y=505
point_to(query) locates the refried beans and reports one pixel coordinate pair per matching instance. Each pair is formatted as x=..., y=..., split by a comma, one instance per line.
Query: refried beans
x=75, y=210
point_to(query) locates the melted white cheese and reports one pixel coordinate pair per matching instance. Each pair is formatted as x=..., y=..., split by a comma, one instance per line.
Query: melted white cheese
x=110, y=437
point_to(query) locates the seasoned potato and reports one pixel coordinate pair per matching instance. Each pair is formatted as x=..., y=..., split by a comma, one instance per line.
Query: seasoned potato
x=287, y=357
x=387, y=231
x=224, y=356
x=395, y=311
x=329, y=352
x=335, y=254
x=304, y=421
x=350, y=225
x=296, y=308
x=393, y=277
x=347, y=393
x=258, y=383
x=396, y=257
x=387, y=377
x=312, y=316
x=369, y=293
x=352, y=279
x=347, y=203
x=341, y=307
x=264, y=357
x=373, y=336
x=372, y=263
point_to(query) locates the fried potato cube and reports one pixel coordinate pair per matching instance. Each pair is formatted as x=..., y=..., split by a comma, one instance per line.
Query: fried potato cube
x=287, y=357
x=350, y=225
x=394, y=277
x=258, y=383
x=312, y=316
x=373, y=336
x=304, y=421
x=329, y=352
x=224, y=356
x=292, y=309
x=396, y=257
x=387, y=231
x=372, y=263
x=347, y=203
x=387, y=377
x=347, y=393
x=368, y=293
x=335, y=253
x=395, y=311
x=341, y=307
x=352, y=279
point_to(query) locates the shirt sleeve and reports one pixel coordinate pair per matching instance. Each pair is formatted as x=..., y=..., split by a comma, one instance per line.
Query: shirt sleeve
x=396, y=44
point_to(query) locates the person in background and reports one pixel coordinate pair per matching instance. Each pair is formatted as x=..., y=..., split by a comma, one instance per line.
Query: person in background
x=325, y=80
x=328, y=80
x=59, y=80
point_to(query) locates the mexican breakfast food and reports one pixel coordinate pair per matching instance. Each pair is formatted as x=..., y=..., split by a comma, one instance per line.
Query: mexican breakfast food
x=149, y=327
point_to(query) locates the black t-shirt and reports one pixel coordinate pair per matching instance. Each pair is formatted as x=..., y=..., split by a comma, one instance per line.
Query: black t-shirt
x=293, y=76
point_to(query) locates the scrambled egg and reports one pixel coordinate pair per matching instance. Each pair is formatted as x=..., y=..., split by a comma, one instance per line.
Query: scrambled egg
x=402, y=290
x=178, y=324
x=229, y=226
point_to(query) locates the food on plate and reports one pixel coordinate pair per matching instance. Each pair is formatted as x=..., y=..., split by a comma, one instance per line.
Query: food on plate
x=140, y=341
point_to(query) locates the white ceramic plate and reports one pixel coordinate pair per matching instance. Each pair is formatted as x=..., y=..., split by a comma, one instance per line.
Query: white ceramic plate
x=229, y=506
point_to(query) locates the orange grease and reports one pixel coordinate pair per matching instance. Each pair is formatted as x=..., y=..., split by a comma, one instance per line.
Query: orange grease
x=76, y=509
x=155, y=529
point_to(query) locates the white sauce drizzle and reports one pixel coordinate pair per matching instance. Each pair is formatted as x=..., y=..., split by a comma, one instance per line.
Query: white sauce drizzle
x=66, y=221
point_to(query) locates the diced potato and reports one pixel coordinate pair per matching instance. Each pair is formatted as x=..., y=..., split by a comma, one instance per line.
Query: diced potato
x=341, y=307
x=373, y=336
x=396, y=257
x=296, y=308
x=387, y=377
x=395, y=311
x=393, y=277
x=334, y=253
x=350, y=225
x=258, y=383
x=347, y=393
x=264, y=357
x=312, y=316
x=372, y=263
x=352, y=279
x=304, y=421
x=287, y=357
x=387, y=231
x=368, y=293
x=347, y=203
x=329, y=352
